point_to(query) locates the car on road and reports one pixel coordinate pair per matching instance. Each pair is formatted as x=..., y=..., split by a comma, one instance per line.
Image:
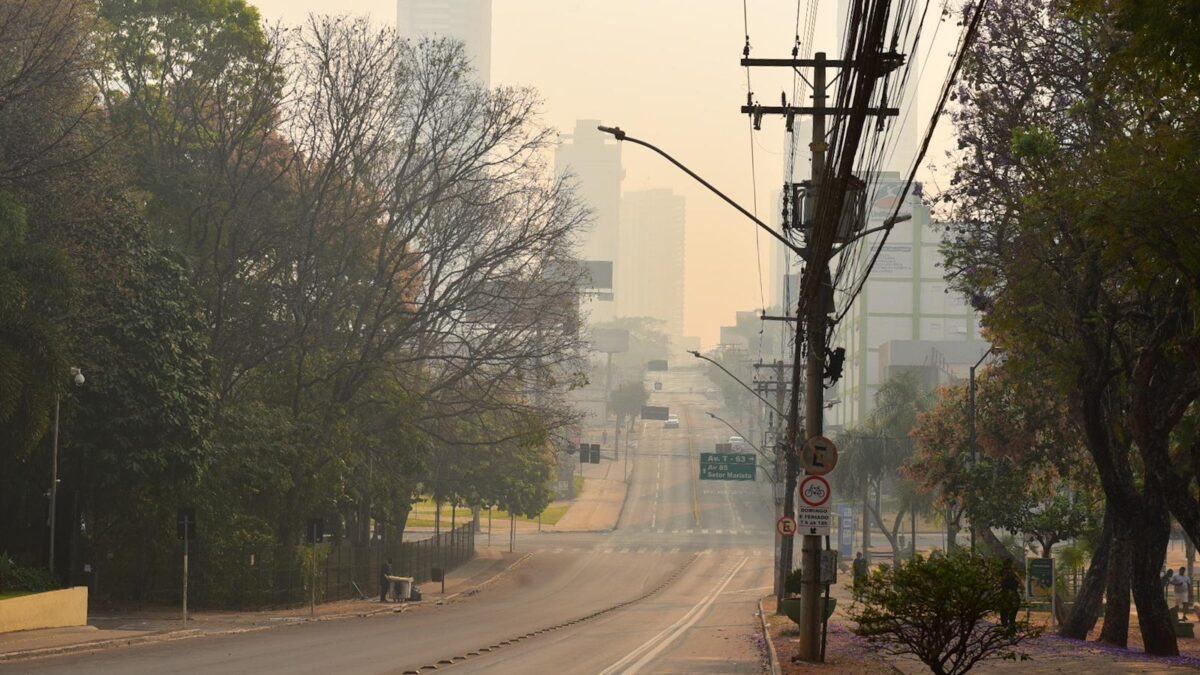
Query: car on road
x=671, y=423
x=736, y=441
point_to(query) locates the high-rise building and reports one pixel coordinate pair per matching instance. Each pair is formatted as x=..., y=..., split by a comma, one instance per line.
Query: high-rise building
x=469, y=21
x=593, y=160
x=906, y=317
x=651, y=257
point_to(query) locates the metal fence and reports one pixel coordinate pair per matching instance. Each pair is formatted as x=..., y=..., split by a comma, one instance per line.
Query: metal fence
x=282, y=576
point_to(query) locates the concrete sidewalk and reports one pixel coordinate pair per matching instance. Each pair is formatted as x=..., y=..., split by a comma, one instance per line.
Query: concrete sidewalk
x=599, y=507
x=107, y=630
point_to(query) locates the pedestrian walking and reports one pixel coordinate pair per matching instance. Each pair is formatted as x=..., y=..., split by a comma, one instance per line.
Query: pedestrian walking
x=385, y=571
x=1181, y=584
x=860, y=569
x=1010, y=596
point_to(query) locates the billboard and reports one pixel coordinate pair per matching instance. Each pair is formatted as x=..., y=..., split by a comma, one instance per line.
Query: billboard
x=655, y=412
x=610, y=340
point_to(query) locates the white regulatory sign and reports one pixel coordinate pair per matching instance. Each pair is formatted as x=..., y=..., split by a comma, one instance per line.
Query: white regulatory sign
x=810, y=521
x=815, y=491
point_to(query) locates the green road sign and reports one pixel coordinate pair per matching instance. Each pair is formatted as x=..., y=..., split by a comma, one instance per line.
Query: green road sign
x=726, y=466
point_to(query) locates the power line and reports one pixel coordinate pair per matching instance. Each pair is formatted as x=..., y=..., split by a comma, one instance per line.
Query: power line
x=762, y=296
x=967, y=37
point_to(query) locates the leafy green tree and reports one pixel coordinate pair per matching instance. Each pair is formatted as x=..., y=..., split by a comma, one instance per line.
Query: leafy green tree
x=936, y=609
x=627, y=399
x=37, y=291
x=1071, y=191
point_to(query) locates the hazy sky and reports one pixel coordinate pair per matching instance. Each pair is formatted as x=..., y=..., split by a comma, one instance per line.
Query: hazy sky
x=665, y=71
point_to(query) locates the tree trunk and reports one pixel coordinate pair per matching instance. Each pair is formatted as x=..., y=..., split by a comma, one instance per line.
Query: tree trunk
x=998, y=548
x=951, y=530
x=1086, y=609
x=889, y=534
x=1116, y=592
x=866, y=522
x=1148, y=539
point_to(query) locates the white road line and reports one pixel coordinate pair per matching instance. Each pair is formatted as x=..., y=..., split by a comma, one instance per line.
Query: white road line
x=650, y=649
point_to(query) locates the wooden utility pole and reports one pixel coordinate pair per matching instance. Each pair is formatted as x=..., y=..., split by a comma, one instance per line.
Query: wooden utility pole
x=815, y=302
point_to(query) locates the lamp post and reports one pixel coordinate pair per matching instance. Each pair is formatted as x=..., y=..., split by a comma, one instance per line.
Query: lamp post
x=78, y=378
x=725, y=370
x=753, y=446
x=971, y=416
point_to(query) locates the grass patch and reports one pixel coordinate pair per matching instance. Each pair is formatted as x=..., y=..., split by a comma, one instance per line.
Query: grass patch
x=578, y=485
x=550, y=516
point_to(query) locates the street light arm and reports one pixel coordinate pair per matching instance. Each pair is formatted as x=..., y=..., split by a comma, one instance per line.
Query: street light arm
x=698, y=355
x=755, y=447
x=888, y=224
x=620, y=135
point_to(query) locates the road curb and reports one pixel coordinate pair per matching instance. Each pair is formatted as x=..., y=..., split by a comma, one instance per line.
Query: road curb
x=165, y=636
x=772, y=656
x=168, y=636
x=486, y=582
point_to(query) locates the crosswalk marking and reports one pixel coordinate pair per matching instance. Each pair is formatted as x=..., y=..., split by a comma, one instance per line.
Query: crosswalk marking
x=761, y=552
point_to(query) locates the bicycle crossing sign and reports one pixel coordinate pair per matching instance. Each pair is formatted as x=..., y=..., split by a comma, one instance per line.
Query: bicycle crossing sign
x=815, y=492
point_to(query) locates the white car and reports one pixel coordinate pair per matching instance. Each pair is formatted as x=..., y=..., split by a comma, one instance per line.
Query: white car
x=671, y=423
x=736, y=441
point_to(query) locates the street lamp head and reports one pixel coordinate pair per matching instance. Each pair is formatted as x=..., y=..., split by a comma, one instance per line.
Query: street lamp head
x=615, y=131
x=694, y=353
x=77, y=376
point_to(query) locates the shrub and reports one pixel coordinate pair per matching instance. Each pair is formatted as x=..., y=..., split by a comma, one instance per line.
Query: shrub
x=935, y=608
x=14, y=577
x=793, y=584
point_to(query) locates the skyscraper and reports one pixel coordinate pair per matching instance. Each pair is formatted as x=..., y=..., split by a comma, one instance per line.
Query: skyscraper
x=651, y=258
x=594, y=160
x=469, y=21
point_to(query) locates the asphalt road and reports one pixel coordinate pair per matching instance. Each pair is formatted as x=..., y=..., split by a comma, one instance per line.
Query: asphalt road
x=672, y=590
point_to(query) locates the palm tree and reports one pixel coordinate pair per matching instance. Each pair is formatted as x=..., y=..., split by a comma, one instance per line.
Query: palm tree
x=875, y=452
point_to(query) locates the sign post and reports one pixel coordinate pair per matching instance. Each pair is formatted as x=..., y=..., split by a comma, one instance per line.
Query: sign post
x=315, y=534
x=185, y=524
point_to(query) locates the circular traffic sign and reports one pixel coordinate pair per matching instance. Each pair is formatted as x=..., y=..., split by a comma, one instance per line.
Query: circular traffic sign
x=819, y=456
x=815, y=491
x=786, y=526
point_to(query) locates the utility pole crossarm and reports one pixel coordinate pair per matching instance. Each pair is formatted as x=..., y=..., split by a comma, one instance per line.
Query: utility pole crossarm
x=891, y=61
x=809, y=110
